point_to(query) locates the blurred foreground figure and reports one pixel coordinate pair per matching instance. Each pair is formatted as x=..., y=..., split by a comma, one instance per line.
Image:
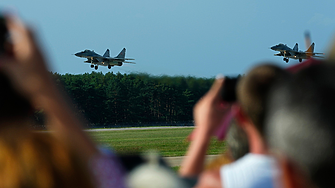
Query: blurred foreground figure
x=64, y=157
x=154, y=174
x=39, y=160
x=301, y=127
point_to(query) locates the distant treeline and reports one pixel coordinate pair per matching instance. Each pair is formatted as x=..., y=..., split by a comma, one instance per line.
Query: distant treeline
x=110, y=99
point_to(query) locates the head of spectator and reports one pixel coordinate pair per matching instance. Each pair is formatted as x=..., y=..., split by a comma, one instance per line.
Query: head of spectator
x=252, y=90
x=13, y=106
x=300, y=127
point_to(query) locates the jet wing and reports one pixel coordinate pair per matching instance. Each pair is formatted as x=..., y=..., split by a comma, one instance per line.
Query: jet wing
x=120, y=59
x=314, y=53
x=318, y=56
x=299, y=53
x=108, y=59
x=129, y=62
x=115, y=59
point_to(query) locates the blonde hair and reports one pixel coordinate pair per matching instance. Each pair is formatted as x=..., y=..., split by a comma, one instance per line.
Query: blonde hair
x=39, y=160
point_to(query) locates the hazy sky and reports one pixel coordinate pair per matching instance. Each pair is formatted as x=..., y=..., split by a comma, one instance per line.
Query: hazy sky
x=175, y=37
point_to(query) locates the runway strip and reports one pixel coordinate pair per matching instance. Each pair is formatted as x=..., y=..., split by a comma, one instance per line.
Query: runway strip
x=137, y=128
x=176, y=161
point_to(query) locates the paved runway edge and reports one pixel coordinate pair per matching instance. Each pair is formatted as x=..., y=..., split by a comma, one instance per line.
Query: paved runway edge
x=176, y=161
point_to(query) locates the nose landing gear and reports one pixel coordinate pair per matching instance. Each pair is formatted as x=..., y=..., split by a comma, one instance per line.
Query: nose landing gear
x=285, y=59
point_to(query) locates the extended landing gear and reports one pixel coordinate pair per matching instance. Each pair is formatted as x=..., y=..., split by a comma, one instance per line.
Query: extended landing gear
x=96, y=67
x=300, y=60
x=285, y=59
x=109, y=66
x=92, y=66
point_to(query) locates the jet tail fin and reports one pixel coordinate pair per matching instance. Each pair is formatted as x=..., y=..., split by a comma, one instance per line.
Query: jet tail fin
x=122, y=54
x=106, y=54
x=295, y=48
x=311, y=48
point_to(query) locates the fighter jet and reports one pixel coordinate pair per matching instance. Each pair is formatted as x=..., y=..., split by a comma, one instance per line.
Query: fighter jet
x=105, y=60
x=284, y=50
x=294, y=53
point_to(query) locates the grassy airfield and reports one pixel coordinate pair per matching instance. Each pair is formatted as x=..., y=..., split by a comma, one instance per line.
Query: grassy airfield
x=169, y=142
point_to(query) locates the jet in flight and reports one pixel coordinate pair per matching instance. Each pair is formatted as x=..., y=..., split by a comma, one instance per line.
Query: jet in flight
x=105, y=60
x=294, y=53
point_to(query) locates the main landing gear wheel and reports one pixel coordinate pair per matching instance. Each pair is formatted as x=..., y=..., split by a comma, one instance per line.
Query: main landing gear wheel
x=96, y=67
x=92, y=66
x=109, y=66
x=300, y=60
x=285, y=59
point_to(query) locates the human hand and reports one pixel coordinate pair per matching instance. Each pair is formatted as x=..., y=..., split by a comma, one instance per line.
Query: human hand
x=25, y=64
x=210, y=111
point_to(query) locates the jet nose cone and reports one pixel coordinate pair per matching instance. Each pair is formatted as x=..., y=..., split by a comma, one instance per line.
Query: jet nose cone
x=77, y=54
x=273, y=48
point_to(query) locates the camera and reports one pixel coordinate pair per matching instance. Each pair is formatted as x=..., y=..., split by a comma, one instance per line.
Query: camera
x=3, y=34
x=229, y=89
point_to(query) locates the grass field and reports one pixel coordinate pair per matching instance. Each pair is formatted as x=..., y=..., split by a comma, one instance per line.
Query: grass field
x=169, y=142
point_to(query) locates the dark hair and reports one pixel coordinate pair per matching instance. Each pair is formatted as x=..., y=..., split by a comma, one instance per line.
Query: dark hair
x=253, y=88
x=300, y=122
x=12, y=103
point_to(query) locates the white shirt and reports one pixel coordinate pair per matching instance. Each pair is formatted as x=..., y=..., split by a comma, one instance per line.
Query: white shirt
x=250, y=171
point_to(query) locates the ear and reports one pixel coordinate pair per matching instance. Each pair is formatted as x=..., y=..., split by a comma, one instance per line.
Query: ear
x=241, y=117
